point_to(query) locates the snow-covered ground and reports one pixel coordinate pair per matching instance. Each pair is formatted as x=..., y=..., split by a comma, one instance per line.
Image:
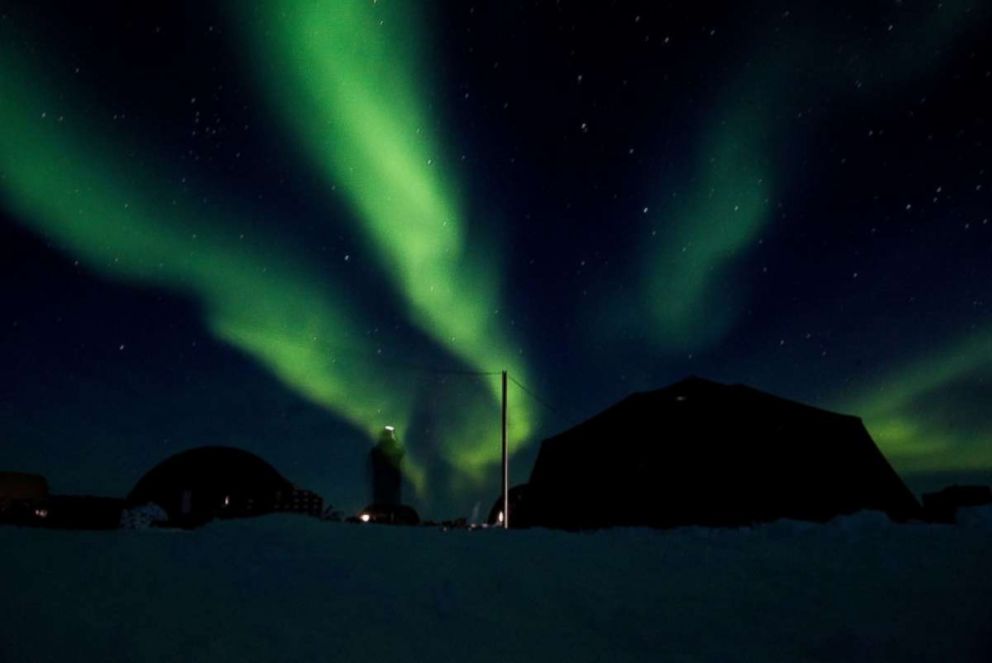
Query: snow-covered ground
x=288, y=588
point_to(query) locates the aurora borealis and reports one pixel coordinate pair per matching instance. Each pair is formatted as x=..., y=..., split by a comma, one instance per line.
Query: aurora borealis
x=284, y=225
x=378, y=142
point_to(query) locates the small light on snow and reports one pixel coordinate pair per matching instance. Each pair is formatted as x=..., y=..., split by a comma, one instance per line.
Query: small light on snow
x=499, y=517
x=365, y=517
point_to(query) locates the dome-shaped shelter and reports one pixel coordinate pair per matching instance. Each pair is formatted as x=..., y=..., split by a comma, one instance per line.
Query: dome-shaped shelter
x=200, y=484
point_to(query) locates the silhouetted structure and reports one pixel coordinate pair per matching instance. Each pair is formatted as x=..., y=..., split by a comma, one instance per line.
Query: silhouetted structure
x=201, y=484
x=703, y=453
x=25, y=501
x=942, y=506
x=385, y=461
x=22, y=498
x=22, y=486
x=386, y=475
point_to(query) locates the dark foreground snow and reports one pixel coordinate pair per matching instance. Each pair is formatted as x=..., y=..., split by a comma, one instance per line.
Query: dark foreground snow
x=287, y=588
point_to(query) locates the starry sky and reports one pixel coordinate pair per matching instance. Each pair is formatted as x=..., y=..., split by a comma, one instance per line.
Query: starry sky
x=284, y=225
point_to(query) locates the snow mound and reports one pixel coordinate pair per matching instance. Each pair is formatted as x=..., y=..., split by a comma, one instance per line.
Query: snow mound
x=976, y=517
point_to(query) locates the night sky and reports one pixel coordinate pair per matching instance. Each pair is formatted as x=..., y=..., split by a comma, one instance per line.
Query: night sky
x=283, y=225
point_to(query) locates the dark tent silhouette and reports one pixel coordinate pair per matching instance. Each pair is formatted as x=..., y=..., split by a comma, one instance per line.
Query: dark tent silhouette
x=200, y=484
x=703, y=453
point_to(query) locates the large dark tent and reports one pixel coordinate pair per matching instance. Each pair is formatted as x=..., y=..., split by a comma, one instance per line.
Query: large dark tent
x=200, y=484
x=703, y=453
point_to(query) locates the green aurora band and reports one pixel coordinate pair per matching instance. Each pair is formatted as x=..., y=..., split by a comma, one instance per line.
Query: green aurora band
x=343, y=75
x=690, y=291
x=136, y=225
x=690, y=295
x=915, y=413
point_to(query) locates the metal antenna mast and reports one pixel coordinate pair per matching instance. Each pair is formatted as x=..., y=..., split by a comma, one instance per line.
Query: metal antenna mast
x=506, y=464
